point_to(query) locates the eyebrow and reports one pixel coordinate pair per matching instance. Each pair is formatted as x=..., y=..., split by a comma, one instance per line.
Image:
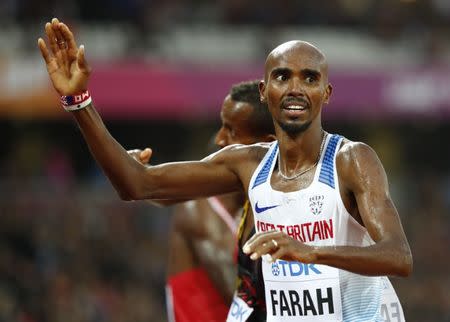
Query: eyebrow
x=312, y=72
x=280, y=70
x=285, y=70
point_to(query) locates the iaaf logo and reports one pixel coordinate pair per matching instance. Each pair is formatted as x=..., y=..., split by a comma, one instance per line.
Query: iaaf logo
x=285, y=268
x=316, y=203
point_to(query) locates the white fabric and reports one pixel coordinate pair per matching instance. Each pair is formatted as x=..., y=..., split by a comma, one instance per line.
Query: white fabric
x=316, y=216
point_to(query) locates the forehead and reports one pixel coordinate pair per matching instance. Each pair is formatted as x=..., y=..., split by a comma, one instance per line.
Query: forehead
x=296, y=57
x=235, y=111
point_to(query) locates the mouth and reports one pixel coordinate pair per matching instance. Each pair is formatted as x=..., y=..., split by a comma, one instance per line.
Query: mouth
x=295, y=109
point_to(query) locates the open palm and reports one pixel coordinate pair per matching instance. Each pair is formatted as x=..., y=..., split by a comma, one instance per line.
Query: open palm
x=66, y=63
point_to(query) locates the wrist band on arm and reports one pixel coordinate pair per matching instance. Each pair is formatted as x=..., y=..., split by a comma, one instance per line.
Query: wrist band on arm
x=76, y=102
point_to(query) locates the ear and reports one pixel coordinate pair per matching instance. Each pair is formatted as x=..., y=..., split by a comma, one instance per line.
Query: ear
x=328, y=93
x=262, y=89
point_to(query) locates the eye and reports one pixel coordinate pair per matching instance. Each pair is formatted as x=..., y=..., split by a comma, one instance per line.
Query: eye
x=281, y=77
x=310, y=79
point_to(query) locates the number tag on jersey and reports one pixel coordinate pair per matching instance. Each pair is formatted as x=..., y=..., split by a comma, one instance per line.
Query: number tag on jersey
x=239, y=310
x=301, y=292
x=391, y=308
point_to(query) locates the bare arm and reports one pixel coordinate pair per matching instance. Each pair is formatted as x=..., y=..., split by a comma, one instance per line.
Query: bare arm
x=69, y=72
x=143, y=156
x=362, y=174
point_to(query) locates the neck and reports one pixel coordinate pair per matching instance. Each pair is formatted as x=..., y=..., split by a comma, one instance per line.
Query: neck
x=301, y=152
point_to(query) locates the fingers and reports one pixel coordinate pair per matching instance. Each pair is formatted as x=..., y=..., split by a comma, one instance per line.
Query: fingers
x=278, y=254
x=44, y=51
x=259, y=239
x=51, y=37
x=145, y=155
x=60, y=41
x=68, y=37
x=58, y=34
x=263, y=249
x=263, y=243
x=81, y=61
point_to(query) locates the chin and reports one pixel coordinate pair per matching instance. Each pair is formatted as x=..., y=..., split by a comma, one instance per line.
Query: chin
x=294, y=128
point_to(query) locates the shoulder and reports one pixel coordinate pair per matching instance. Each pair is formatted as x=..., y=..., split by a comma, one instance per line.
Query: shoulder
x=351, y=151
x=240, y=152
x=357, y=162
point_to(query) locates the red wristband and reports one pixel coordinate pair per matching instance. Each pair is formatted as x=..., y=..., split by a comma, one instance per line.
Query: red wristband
x=76, y=102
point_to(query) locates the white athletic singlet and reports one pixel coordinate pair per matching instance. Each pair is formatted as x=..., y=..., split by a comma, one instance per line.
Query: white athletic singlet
x=316, y=216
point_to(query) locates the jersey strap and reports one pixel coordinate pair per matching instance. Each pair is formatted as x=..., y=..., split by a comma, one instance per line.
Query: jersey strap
x=265, y=170
x=223, y=213
x=327, y=169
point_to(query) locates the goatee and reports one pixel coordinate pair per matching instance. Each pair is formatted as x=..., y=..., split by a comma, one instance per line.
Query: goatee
x=293, y=129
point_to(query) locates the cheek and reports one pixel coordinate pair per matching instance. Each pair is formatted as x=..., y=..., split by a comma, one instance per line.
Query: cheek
x=274, y=92
x=317, y=95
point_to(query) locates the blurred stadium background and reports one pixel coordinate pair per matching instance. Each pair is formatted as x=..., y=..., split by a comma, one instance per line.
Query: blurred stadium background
x=71, y=251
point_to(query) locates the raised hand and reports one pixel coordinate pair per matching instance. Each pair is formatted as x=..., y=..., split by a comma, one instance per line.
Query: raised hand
x=66, y=63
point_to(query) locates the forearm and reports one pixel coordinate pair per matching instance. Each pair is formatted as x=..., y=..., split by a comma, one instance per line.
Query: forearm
x=374, y=260
x=121, y=169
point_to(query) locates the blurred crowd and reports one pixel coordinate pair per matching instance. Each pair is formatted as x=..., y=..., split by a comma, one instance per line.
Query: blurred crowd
x=375, y=15
x=387, y=19
x=71, y=250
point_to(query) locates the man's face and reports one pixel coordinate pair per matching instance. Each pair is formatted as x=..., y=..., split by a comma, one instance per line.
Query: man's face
x=296, y=86
x=236, y=118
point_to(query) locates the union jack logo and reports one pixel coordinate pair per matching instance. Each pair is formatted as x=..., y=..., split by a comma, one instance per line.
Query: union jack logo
x=316, y=203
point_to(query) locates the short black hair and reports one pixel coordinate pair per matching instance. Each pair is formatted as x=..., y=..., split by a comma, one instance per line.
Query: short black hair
x=248, y=92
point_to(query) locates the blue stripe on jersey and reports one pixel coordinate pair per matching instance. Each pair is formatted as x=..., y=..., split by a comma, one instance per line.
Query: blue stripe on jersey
x=361, y=299
x=327, y=170
x=264, y=172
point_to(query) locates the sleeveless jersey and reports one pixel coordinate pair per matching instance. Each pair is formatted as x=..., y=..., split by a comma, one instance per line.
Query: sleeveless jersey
x=316, y=216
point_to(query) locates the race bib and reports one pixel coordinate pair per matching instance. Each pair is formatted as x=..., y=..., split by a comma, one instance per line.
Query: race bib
x=239, y=310
x=301, y=292
x=391, y=308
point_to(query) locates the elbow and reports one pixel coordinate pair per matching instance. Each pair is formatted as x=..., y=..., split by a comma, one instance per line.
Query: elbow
x=405, y=267
x=125, y=196
x=130, y=193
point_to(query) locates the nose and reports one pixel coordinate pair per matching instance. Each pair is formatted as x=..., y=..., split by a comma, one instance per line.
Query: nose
x=296, y=87
x=221, y=140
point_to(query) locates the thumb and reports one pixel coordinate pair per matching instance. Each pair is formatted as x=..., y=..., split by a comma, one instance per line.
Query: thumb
x=81, y=61
x=146, y=155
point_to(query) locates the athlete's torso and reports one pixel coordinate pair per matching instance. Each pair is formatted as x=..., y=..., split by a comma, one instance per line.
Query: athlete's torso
x=317, y=216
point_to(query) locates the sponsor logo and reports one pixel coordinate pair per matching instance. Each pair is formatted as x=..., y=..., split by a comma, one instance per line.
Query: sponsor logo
x=262, y=209
x=316, y=203
x=286, y=268
x=237, y=311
